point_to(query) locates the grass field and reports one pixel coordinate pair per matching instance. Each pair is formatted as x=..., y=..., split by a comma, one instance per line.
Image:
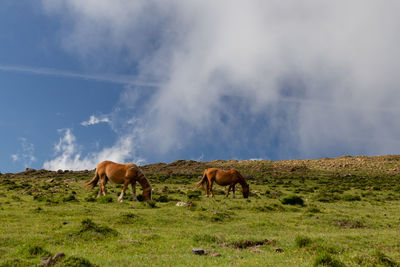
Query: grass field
x=332, y=212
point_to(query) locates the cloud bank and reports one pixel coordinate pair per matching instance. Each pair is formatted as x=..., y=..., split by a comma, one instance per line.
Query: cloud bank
x=246, y=79
x=68, y=155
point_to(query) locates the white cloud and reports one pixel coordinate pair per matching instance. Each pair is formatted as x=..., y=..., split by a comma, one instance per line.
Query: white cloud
x=14, y=157
x=95, y=120
x=26, y=153
x=69, y=154
x=320, y=77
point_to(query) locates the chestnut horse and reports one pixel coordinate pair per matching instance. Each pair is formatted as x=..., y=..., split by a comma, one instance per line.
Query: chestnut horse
x=126, y=174
x=224, y=177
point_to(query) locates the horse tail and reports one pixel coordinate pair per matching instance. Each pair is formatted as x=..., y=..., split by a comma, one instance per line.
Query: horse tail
x=92, y=183
x=203, y=179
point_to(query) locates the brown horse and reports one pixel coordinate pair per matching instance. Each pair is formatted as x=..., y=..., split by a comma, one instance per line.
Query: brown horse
x=224, y=177
x=126, y=174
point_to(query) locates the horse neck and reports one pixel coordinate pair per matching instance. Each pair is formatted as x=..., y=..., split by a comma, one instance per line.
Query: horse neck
x=243, y=183
x=142, y=180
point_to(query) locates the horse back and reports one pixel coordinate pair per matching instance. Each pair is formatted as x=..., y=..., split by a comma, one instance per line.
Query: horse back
x=115, y=172
x=224, y=177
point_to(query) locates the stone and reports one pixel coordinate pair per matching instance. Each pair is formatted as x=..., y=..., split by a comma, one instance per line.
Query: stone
x=198, y=251
x=181, y=204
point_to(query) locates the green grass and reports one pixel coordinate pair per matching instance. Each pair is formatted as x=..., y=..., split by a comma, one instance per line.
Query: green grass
x=343, y=220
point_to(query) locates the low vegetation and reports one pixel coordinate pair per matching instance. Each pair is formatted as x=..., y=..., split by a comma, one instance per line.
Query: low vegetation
x=326, y=212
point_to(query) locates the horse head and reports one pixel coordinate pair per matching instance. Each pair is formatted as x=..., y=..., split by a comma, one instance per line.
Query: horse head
x=245, y=190
x=147, y=193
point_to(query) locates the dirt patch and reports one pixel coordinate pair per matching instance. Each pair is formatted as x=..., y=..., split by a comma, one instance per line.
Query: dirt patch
x=348, y=223
x=243, y=244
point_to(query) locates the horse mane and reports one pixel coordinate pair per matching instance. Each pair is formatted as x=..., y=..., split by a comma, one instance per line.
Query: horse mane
x=143, y=181
x=242, y=180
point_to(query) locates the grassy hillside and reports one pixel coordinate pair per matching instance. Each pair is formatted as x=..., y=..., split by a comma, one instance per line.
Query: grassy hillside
x=337, y=212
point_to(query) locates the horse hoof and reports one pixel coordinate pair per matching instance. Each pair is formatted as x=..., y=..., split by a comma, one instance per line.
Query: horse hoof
x=120, y=200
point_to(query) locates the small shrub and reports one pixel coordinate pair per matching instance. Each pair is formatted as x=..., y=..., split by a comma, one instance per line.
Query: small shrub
x=90, y=199
x=88, y=226
x=325, y=259
x=152, y=204
x=140, y=197
x=303, y=241
x=105, y=199
x=327, y=197
x=313, y=210
x=193, y=195
x=348, y=197
x=69, y=198
x=163, y=198
x=74, y=261
x=37, y=251
x=292, y=200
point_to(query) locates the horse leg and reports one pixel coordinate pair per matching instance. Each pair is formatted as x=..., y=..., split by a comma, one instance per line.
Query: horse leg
x=133, y=184
x=233, y=190
x=229, y=189
x=126, y=183
x=102, y=188
x=207, y=189
x=103, y=185
x=210, y=187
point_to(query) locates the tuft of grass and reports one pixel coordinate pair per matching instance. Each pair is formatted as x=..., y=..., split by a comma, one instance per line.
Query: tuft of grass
x=34, y=250
x=75, y=261
x=70, y=198
x=152, y=204
x=325, y=259
x=88, y=226
x=140, y=197
x=162, y=198
x=205, y=238
x=127, y=218
x=220, y=216
x=349, y=197
x=292, y=200
x=303, y=241
x=90, y=199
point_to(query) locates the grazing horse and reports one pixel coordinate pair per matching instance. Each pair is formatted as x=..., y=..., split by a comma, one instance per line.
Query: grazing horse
x=224, y=177
x=126, y=174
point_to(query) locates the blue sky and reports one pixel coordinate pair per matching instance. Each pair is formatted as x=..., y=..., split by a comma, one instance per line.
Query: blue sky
x=85, y=81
